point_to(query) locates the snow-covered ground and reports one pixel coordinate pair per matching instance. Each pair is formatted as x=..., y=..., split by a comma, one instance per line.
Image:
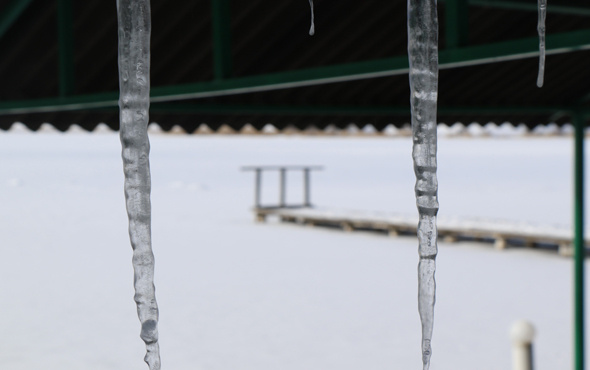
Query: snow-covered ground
x=235, y=295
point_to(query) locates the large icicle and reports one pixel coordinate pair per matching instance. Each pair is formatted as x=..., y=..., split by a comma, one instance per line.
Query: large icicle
x=423, y=55
x=134, y=83
x=312, y=27
x=541, y=30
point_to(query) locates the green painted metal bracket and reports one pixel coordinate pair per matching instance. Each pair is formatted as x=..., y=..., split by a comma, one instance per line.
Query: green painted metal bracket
x=66, y=47
x=532, y=6
x=11, y=13
x=466, y=56
x=222, y=54
x=456, y=23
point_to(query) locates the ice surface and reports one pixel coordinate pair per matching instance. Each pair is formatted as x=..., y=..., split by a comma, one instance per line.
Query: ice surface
x=541, y=30
x=134, y=82
x=423, y=55
x=274, y=296
x=312, y=27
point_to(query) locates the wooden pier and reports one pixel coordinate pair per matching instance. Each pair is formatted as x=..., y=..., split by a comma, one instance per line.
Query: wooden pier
x=501, y=234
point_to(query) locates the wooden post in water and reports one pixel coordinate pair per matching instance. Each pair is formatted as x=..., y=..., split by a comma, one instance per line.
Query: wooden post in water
x=306, y=188
x=283, y=186
x=258, y=187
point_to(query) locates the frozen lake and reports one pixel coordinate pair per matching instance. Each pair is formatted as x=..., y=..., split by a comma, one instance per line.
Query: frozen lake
x=235, y=295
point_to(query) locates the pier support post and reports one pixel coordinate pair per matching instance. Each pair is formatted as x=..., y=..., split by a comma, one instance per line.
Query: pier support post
x=522, y=334
x=450, y=238
x=500, y=243
x=306, y=188
x=257, y=189
x=565, y=250
x=346, y=226
x=283, y=187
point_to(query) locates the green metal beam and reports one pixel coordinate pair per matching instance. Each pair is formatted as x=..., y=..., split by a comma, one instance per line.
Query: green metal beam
x=11, y=13
x=466, y=56
x=72, y=103
x=222, y=54
x=456, y=23
x=532, y=6
x=558, y=43
x=579, y=247
x=66, y=47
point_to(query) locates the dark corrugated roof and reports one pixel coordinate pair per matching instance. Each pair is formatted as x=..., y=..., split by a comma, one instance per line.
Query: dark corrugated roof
x=270, y=36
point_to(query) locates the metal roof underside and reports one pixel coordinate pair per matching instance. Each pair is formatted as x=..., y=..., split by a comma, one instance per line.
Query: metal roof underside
x=236, y=62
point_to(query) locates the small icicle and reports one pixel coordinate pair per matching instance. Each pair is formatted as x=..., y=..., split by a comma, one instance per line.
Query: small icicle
x=541, y=30
x=312, y=28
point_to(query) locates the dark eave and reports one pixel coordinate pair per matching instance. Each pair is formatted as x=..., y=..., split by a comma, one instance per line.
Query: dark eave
x=238, y=62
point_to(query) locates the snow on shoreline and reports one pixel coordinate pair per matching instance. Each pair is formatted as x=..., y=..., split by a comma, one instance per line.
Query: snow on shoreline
x=238, y=295
x=457, y=129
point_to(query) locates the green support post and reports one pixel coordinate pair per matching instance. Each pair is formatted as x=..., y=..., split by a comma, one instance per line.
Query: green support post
x=456, y=23
x=66, y=47
x=579, y=245
x=222, y=55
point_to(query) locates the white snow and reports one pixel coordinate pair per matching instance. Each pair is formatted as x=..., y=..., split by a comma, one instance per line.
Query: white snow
x=102, y=128
x=235, y=295
x=269, y=129
x=19, y=128
x=390, y=130
x=154, y=129
x=203, y=129
x=47, y=128
x=369, y=129
x=352, y=129
x=475, y=129
x=177, y=130
x=457, y=128
x=76, y=129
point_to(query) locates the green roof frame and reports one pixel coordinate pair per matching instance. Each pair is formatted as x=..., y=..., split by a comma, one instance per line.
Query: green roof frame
x=450, y=58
